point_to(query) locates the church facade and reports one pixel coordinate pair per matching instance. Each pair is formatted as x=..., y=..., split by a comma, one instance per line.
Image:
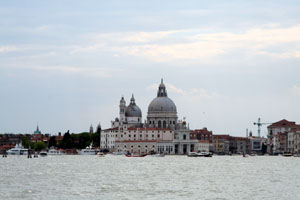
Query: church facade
x=162, y=132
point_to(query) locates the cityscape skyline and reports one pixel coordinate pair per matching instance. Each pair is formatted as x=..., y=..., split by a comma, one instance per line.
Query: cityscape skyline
x=70, y=66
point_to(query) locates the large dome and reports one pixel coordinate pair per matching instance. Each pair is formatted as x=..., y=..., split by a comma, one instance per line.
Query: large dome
x=162, y=104
x=132, y=109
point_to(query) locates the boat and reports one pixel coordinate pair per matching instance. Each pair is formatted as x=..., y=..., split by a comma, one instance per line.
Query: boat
x=100, y=154
x=135, y=155
x=199, y=154
x=54, y=152
x=88, y=151
x=296, y=155
x=287, y=154
x=43, y=153
x=18, y=150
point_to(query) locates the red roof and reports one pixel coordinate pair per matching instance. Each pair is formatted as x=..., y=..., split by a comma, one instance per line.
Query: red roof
x=283, y=123
x=134, y=141
x=227, y=137
x=201, y=131
x=148, y=129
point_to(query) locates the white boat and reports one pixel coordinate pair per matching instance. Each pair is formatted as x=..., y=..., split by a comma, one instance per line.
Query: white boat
x=54, y=152
x=199, y=154
x=88, y=151
x=100, y=154
x=18, y=150
x=43, y=153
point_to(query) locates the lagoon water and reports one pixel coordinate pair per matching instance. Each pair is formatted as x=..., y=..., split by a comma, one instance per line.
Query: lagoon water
x=170, y=177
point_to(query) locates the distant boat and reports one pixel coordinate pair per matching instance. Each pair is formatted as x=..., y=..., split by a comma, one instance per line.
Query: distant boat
x=88, y=151
x=135, y=155
x=43, y=153
x=54, y=152
x=100, y=154
x=199, y=154
x=287, y=154
x=18, y=150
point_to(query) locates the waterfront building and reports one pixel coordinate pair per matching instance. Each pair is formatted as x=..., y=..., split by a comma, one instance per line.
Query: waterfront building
x=277, y=135
x=256, y=144
x=296, y=140
x=290, y=140
x=239, y=145
x=221, y=144
x=161, y=132
x=204, y=138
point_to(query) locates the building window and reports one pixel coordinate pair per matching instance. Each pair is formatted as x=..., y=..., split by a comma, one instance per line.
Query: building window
x=184, y=137
x=158, y=135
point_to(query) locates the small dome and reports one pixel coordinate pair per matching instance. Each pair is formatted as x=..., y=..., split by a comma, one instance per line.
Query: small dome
x=132, y=109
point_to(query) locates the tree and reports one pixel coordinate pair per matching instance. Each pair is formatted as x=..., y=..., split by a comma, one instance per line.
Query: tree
x=84, y=140
x=96, y=139
x=25, y=141
x=52, y=141
x=39, y=146
x=67, y=142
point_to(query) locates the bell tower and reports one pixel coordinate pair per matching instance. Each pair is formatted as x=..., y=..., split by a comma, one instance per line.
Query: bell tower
x=122, y=109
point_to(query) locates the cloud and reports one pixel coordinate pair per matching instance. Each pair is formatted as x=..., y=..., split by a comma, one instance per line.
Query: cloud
x=198, y=45
x=89, y=71
x=9, y=48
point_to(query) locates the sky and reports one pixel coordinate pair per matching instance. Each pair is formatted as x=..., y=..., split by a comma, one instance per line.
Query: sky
x=64, y=65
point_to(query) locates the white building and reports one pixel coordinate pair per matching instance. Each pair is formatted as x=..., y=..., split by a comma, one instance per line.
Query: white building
x=162, y=132
x=282, y=126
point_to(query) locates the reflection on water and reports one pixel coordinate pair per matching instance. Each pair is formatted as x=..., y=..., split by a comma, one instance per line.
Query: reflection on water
x=170, y=177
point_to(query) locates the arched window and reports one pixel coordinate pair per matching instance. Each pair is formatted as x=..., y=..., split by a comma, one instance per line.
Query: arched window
x=164, y=124
x=159, y=124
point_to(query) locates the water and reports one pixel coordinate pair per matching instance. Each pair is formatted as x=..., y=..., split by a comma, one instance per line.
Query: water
x=171, y=177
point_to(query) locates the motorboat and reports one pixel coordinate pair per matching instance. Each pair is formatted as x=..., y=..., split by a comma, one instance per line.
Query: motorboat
x=43, y=153
x=287, y=154
x=87, y=151
x=135, y=155
x=54, y=152
x=100, y=154
x=18, y=150
x=199, y=154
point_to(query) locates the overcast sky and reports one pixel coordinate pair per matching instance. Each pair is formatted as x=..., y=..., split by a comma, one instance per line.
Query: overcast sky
x=66, y=64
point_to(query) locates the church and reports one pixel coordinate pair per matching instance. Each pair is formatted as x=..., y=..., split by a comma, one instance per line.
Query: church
x=162, y=132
